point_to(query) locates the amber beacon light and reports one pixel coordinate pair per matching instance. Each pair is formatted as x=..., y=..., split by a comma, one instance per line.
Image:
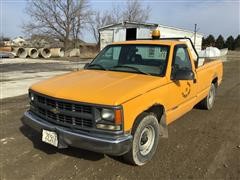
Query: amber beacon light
x=155, y=34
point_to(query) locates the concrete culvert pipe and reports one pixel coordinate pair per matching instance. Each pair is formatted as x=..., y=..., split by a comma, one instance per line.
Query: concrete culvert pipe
x=44, y=52
x=73, y=53
x=20, y=52
x=15, y=51
x=32, y=52
x=57, y=52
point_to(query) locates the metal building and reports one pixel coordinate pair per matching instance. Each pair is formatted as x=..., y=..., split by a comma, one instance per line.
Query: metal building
x=133, y=30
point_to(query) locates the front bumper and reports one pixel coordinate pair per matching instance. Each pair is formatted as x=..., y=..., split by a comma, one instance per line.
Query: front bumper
x=66, y=137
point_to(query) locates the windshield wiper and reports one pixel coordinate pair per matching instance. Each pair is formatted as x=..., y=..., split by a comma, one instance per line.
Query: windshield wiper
x=131, y=67
x=98, y=65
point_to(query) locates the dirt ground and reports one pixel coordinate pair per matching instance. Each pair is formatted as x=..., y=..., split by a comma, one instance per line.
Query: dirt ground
x=201, y=145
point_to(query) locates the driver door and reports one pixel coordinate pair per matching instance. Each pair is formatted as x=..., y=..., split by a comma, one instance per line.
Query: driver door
x=183, y=91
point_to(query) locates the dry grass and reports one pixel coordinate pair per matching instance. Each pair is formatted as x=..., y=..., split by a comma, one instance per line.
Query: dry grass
x=233, y=55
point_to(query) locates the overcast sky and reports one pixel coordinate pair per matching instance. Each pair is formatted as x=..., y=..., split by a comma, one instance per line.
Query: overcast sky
x=212, y=16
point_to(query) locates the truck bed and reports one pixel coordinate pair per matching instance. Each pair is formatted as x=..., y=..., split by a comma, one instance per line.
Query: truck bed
x=208, y=72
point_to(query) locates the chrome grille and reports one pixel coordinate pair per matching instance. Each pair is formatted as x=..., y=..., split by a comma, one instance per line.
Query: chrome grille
x=63, y=113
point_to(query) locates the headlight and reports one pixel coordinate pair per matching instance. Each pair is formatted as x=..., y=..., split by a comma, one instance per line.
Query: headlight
x=109, y=119
x=107, y=114
x=31, y=96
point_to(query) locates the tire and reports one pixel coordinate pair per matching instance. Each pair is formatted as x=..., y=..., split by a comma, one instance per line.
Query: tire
x=208, y=102
x=145, y=140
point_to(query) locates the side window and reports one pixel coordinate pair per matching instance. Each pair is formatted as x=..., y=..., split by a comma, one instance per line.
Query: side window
x=181, y=59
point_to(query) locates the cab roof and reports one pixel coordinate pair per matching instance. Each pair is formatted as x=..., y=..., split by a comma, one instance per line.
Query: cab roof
x=151, y=41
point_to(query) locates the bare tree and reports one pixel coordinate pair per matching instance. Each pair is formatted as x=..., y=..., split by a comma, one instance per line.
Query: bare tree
x=116, y=13
x=135, y=12
x=100, y=20
x=60, y=19
x=82, y=18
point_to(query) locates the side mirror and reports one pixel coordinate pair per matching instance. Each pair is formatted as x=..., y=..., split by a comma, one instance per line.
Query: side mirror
x=86, y=65
x=183, y=75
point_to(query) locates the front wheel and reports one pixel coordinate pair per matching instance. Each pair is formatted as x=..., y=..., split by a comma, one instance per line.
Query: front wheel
x=145, y=140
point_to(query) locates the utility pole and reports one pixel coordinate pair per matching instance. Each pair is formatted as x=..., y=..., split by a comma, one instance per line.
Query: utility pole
x=195, y=33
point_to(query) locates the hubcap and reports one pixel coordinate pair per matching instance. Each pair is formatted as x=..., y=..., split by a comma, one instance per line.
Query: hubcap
x=146, y=140
x=211, y=97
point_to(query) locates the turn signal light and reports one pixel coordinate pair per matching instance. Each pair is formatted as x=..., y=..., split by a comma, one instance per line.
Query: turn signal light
x=118, y=117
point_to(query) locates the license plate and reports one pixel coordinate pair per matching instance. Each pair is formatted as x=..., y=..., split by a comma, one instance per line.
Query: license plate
x=50, y=137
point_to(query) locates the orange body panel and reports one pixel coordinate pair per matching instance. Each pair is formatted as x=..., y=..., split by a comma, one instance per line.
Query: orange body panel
x=135, y=92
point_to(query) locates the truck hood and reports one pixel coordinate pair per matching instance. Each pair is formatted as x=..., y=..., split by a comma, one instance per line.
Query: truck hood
x=98, y=87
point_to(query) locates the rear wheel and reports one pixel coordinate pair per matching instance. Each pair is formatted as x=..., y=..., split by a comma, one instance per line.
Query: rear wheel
x=145, y=140
x=208, y=102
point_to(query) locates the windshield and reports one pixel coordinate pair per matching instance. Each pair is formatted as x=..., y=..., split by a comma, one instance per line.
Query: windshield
x=143, y=59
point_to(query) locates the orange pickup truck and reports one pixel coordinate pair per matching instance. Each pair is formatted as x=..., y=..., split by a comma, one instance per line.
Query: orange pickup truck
x=121, y=103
